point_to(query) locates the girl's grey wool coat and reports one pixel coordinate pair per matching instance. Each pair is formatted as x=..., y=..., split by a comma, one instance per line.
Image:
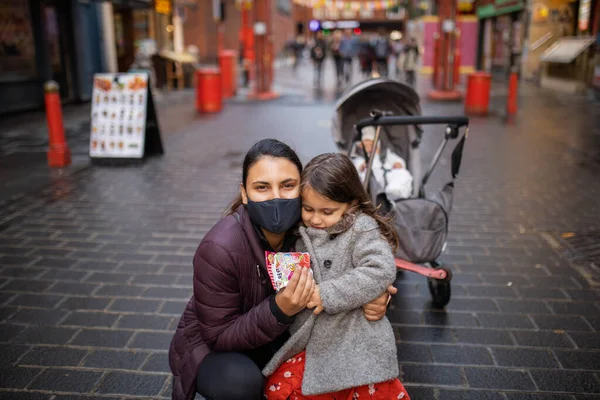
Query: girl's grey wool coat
x=344, y=349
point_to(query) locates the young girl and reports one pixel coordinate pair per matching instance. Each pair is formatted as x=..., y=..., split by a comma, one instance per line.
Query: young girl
x=337, y=353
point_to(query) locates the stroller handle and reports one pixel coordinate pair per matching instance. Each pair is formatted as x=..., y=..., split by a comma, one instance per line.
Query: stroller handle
x=455, y=121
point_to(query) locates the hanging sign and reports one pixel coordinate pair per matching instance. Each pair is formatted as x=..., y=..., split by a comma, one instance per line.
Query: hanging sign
x=124, y=122
x=162, y=6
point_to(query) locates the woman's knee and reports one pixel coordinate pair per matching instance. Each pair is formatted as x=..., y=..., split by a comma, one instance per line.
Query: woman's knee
x=229, y=376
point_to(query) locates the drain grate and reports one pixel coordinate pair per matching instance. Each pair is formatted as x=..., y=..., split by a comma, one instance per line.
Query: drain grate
x=582, y=249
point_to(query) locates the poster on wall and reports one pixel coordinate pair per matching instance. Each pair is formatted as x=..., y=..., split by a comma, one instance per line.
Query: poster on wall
x=124, y=123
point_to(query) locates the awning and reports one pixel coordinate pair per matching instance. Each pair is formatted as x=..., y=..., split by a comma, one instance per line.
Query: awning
x=565, y=50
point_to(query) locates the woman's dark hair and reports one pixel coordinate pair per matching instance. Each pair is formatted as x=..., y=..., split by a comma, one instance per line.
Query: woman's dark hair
x=260, y=149
x=333, y=176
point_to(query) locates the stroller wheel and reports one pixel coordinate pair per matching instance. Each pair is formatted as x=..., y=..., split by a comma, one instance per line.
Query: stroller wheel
x=440, y=290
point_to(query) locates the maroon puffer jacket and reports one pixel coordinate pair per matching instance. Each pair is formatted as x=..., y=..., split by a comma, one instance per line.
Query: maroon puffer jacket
x=229, y=310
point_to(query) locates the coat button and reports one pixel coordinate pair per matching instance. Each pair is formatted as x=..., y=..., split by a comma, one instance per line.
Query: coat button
x=327, y=263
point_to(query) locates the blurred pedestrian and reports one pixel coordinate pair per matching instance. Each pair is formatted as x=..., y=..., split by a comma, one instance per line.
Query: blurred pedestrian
x=348, y=50
x=366, y=56
x=383, y=49
x=298, y=49
x=317, y=55
x=410, y=59
x=337, y=57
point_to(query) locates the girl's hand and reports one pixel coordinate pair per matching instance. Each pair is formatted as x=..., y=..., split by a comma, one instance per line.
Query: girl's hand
x=296, y=295
x=315, y=301
x=375, y=310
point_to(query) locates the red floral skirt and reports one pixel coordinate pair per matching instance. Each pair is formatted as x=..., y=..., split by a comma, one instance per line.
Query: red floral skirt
x=286, y=383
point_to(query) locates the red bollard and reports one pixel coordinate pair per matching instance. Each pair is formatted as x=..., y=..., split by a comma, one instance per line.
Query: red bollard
x=436, y=59
x=59, y=154
x=209, y=91
x=513, y=85
x=477, y=99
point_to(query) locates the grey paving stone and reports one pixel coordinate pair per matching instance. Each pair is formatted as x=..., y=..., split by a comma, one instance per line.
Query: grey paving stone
x=516, y=280
x=45, y=335
x=22, y=285
x=93, y=319
x=22, y=272
x=34, y=300
x=483, y=336
x=523, y=306
x=16, y=377
x=529, y=396
x=58, y=253
x=84, y=303
x=62, y=263
x=66, y=380
x=53, y=356
x=519, y=357
x=107, y=359
x=154, y=279
x=424, y=334
x=498, y=378
x=120, y=290
x=594, y=322
x=108, y=277
x=89, y=255
x=140, y=306
x=140, y=268
x=583, y=294
x=97, y=265
x=566, y=381
x=586, y=340
x=11, y=353
x=432, y=374
x=102, y=338
x=64, y=275
x=579, y=359
x=419, y=392
x=541, y=293
x=136, y=257
x=542, y=339
x=167, y=293
x=470, y=305
x=140, y=321
x=469, y=355
x=132, y=384
x=38, y=316
x=491, y=291
x=504, y=321
x=468, y=395
x=173, y=307
x=5, y=296
x=569, y=307
x=17, y=260
x=151, y=340
x=568, y=323
x=174, y=259
x=9, y=332
x=24, y=395
x=158, y=362
x=413, y=353
x=398, y=316
x=187, y=270
x=80, y=245
x=73, y=288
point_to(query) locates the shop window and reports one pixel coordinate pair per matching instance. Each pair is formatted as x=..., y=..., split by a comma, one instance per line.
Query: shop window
x=17, y=45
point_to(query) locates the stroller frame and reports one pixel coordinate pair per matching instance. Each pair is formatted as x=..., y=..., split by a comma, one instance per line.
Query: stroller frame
x=438, y=277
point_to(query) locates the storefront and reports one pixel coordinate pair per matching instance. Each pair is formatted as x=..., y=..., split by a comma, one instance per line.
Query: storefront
x=44, y=40
x=501, y=35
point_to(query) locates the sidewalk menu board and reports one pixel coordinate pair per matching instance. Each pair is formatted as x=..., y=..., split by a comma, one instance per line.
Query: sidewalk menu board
x=123, y=117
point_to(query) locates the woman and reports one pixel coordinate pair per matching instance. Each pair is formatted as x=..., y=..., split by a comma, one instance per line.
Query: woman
x=234, y=322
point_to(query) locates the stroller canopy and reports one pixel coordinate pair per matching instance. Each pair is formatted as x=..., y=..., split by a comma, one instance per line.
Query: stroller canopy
x=357, y=102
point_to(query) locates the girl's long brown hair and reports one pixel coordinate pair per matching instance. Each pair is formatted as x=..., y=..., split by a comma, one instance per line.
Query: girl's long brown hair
x=333, y=176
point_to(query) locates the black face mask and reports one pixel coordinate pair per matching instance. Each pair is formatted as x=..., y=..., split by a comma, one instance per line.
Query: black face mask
x=276, y=215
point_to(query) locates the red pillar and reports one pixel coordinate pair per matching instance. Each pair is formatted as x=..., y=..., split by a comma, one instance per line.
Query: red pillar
x=59, y=154
x=444, y=85
x=264, y=52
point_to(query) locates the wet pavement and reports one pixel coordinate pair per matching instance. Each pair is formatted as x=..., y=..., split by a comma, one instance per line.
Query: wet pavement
x=95, y=267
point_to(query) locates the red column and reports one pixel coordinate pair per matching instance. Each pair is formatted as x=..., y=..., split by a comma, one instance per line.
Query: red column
x=264, y=52
x=444, y=84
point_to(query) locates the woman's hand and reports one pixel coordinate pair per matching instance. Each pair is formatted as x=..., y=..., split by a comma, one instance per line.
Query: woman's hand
x=375, y=310
x=315, y=301
x=296, y=295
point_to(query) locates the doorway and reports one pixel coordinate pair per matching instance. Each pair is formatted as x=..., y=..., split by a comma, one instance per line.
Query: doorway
x=55, y=18
x=124, y=36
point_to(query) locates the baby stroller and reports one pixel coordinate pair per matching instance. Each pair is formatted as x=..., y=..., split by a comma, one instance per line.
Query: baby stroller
x=420, y=220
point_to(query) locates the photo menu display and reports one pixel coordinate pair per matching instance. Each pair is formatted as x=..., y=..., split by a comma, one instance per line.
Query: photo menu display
x=119, y=115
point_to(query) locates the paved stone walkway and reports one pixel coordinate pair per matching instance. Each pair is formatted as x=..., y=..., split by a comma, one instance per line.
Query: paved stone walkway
x=95, y=269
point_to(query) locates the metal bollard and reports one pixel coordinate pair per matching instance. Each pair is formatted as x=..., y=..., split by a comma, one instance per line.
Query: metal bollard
x=59, y=154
